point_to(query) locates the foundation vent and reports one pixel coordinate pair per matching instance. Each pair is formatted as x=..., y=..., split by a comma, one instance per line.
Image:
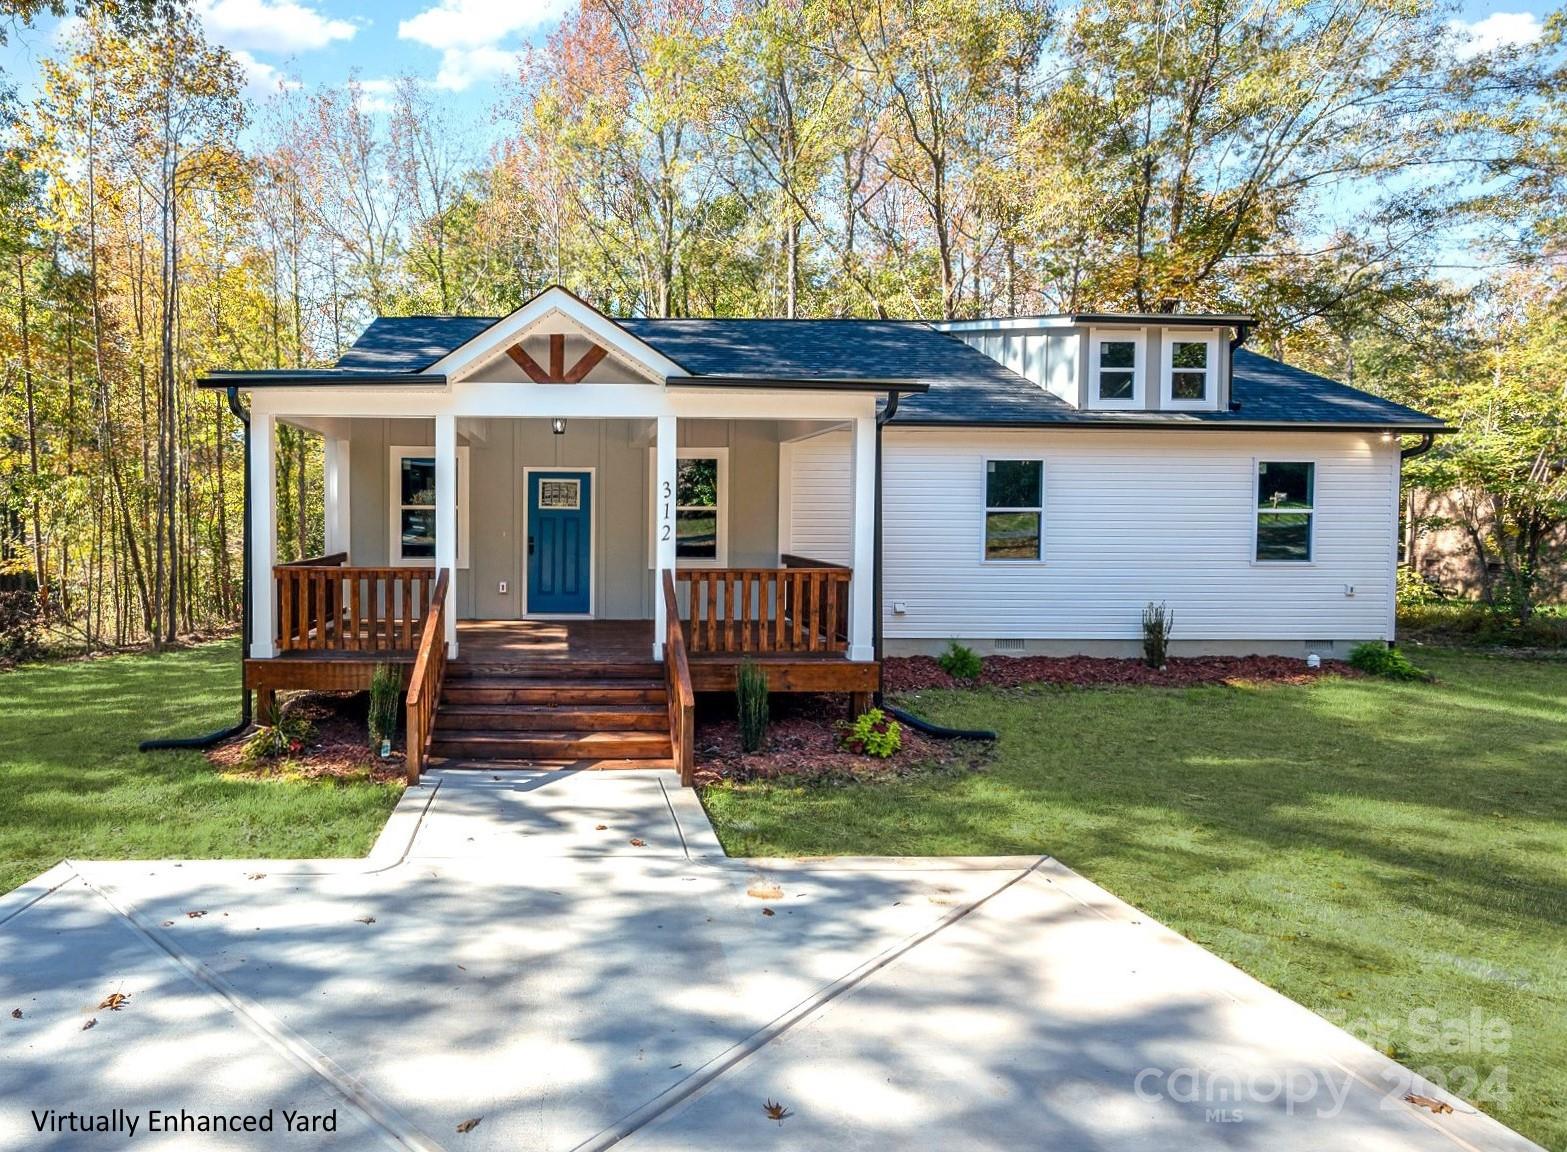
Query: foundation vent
x=1004, y=644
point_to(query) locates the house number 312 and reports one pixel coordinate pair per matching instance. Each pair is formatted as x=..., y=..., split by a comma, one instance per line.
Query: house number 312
x=664, y=526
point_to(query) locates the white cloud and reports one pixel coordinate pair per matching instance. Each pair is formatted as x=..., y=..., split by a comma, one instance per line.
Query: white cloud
x=1498, y=30
x=376, y=95
x=475, y=23
x=262, y=80
x=271, y=25
x=462, y=67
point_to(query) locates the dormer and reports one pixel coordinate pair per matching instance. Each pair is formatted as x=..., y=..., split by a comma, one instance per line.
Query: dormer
x=1115, y=362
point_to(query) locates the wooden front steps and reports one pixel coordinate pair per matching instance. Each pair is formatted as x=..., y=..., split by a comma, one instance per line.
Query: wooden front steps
x=552, y=713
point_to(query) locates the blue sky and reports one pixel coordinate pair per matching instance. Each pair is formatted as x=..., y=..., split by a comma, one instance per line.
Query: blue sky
x=466, y=49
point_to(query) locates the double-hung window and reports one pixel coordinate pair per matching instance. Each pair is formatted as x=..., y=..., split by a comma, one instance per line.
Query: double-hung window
x=1285, y=511
x=1115, y=369
x=1014, y=509
x=413, y=506
x=1190, y=368
x=701, y=507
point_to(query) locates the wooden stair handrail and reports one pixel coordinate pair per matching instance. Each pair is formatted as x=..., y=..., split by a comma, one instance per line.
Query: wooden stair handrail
x=677, y=684
x=424, y=683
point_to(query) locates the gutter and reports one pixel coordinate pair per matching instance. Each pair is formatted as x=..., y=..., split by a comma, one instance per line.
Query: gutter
x=217, y=737
x=919, y=723
x=1427, y=439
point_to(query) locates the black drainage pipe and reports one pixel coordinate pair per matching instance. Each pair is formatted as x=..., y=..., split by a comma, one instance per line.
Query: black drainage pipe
x=918, y=723
x=222, y=734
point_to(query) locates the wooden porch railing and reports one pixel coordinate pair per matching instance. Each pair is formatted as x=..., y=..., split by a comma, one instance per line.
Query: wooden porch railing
x=790, y=609
x=424, y=683
x=677, y=684
x=326, y=607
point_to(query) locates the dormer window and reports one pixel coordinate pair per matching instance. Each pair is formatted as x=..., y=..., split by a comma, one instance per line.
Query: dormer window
x=1115, y=365
x=1189, y=378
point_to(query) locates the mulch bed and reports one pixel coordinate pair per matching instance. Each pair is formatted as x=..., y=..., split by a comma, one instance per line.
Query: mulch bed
x=918, y=673
x=338, y=749
x=802, y=745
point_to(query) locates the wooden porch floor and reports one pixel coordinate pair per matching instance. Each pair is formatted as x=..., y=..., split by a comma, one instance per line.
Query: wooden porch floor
x=580, y=641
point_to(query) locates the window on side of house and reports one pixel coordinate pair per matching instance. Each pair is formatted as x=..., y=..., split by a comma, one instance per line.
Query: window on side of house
x=1116, y=369
x=701, y=507
x=413, y=506
x=1014, y=509
x=1285, y=511
x=1190, y=363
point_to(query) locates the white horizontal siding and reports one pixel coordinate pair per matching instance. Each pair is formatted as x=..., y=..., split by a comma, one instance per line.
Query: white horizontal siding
x=1134, y=517
x=818, y=493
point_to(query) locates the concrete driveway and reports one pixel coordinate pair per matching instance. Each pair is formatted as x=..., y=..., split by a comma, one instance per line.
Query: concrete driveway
x=502, y=958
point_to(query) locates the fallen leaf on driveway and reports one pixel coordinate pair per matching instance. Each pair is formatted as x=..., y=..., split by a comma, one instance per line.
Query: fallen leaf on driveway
x=601, y=827
x=767, y=911
x=114, y=1001
x=93, y=1023
x=257, y=876
x=16, y=1013
x=168, y=923
x=1436, y=1106
x=776, y=1111
x=636, y=843
x=765, y=891
x=469, y=1125
x=197, y=914
x=365, y=919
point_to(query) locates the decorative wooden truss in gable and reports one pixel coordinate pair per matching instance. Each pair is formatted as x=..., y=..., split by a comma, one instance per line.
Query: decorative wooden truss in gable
x=557, y=373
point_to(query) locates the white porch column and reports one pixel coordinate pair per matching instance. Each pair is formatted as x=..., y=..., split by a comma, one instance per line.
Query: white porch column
x=335, y=504
x=446, y=518
x=663, y=524
x=862, y=520
x=262, y=533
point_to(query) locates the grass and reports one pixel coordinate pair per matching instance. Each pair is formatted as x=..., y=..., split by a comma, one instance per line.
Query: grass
x=1377, y=851
x=73, y=784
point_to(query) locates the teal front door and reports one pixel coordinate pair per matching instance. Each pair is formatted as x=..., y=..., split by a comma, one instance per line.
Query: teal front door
x=560, y=539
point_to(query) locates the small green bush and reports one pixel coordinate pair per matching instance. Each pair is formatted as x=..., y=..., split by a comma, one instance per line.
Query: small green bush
x=751, y=699
x=386, y=690
x=874, y=733
x=1158, y=621
x=960, y=663
x=274, y=741
x=1376, y=659
x=1414, y=590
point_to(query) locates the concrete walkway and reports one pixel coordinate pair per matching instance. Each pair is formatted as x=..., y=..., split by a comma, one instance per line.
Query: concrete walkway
x=568, y=959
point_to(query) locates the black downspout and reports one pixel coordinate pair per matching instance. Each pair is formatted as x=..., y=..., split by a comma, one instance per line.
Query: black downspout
x=919, y=723
x=222, y=734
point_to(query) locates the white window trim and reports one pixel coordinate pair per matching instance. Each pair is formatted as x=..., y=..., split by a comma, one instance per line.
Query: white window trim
x=1172, y=336
x=693, y=453
x=394, y=491
x=1257, y=511
x=1139, y=340
x=985, y=508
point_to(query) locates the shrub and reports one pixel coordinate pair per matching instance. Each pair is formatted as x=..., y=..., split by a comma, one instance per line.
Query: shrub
x=273, y=741
x=873, y=733
x=1414, y=590
x=751, y=698
x=1376, y=659
x=386, y=690
x=1158, y=620
x=960, y=663
x=20, y=627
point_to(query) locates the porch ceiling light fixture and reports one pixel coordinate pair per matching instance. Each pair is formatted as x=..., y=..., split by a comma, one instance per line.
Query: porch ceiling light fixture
x=558, y=425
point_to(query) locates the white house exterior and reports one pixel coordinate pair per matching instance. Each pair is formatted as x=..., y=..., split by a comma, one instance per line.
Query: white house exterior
x=1041, y=480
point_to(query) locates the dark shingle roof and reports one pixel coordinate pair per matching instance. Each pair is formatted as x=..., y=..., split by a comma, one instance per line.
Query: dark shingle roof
x=966, y=386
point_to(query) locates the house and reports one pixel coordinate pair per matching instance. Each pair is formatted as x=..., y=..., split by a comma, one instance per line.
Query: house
x=562, y=525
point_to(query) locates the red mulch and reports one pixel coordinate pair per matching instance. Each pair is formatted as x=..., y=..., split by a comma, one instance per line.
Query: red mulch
x=917, y=673
x=339, y=748
x=802, y=744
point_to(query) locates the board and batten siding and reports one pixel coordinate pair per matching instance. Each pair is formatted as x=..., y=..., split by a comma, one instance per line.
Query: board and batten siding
x=1133, y=517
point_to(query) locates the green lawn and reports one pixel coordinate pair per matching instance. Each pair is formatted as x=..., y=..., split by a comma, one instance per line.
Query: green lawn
x=1370, y=849
x=73, y=784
